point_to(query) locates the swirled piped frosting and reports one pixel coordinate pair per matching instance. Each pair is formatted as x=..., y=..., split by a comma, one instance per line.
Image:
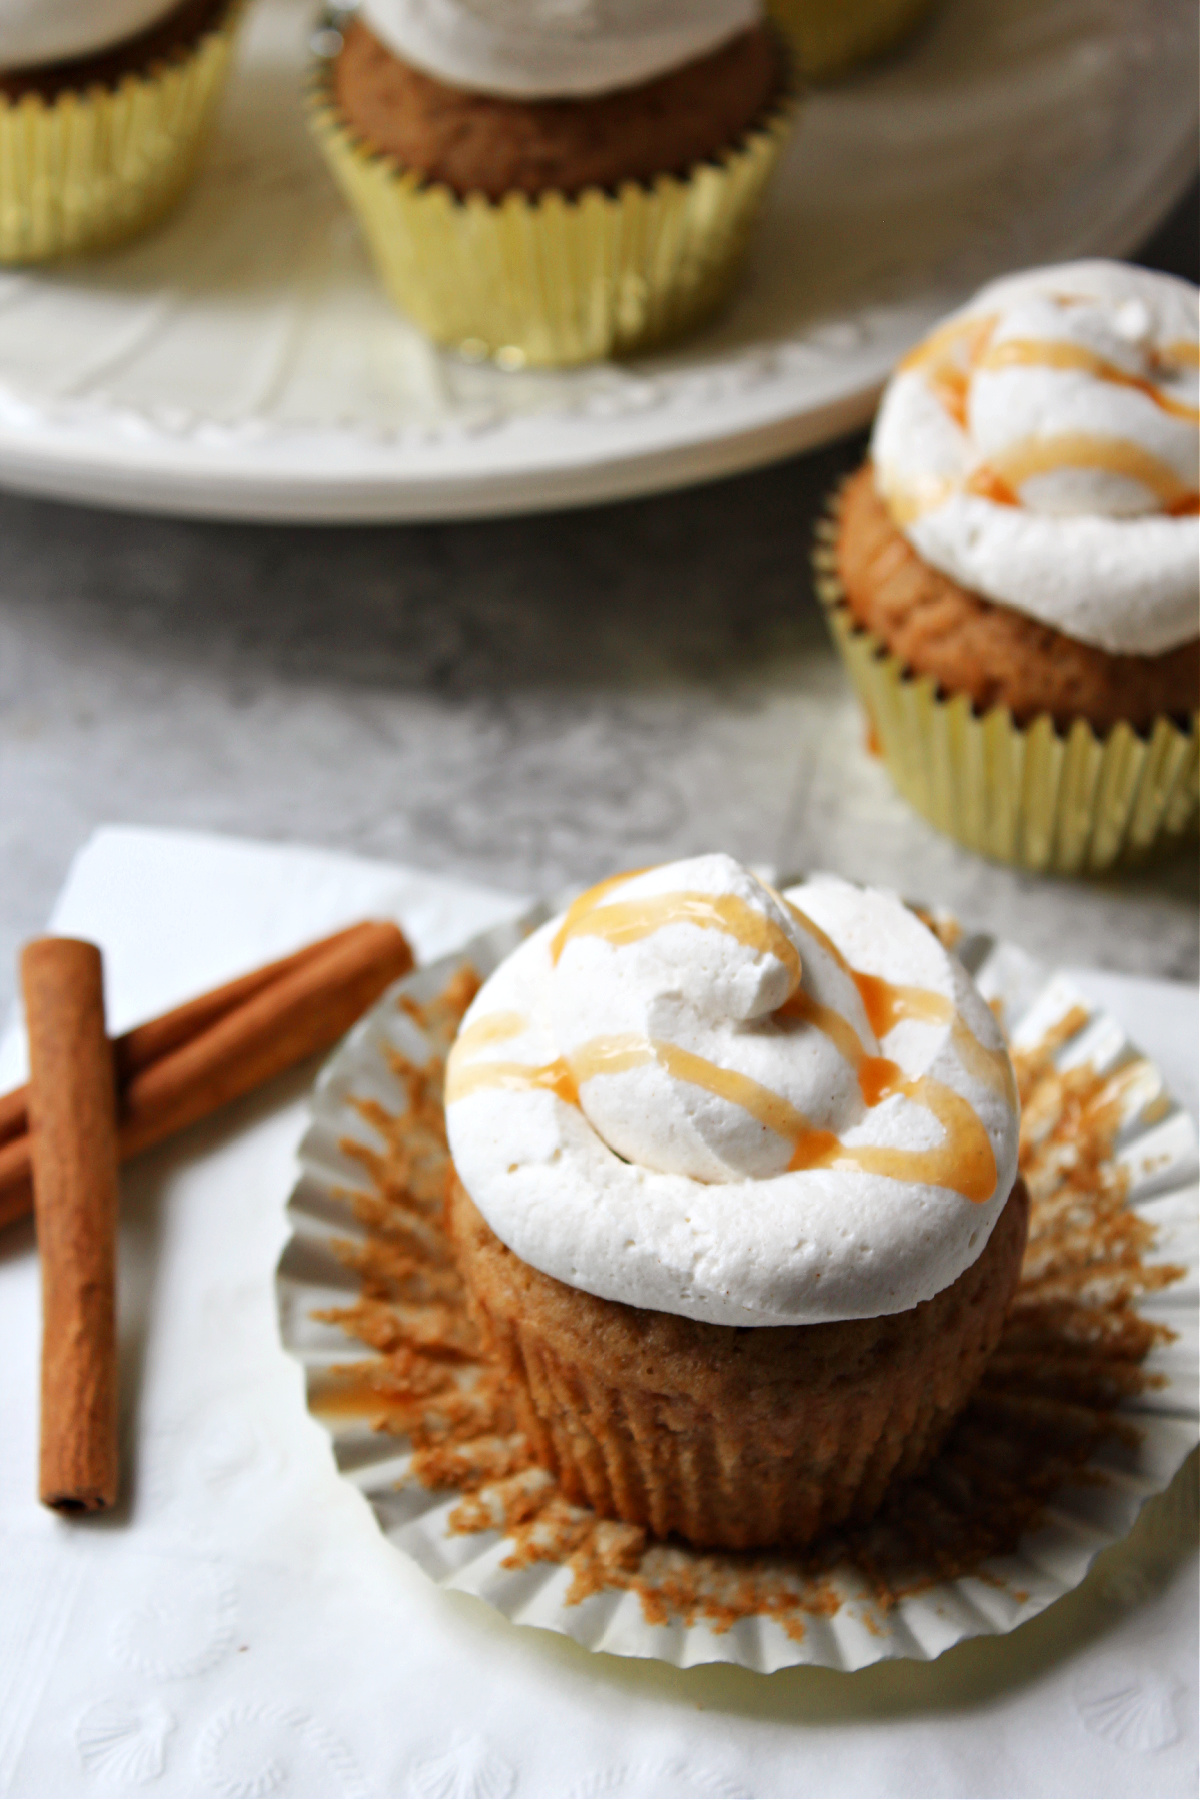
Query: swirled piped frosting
x=539, y=49
x=33, y=32
x=693, y=1094
x=1043, y=448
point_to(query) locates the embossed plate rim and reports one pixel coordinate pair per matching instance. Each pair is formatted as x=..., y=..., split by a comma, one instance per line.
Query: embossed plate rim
x=719, y=405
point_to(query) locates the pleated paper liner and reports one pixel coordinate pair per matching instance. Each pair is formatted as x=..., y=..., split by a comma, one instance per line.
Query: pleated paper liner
x=88, y=169
x=1064, y=803
x=552, y=280
x=831, y=37
x=1087, y=1410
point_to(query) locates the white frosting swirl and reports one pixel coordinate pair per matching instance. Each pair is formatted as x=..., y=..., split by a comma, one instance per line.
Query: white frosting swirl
x=33, y=32
x=674, y=1096
x=531, y=49
x=1043, y=448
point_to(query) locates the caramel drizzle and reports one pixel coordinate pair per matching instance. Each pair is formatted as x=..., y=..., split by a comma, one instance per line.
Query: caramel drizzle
x=908, y=504
x=463, y=1078
x=628, y=921
x=1053, y=353
x=963, y=1162
x=493, y=1028
x=554, y=1077
x=887, y=1003
x=949, y=358
x=1089, y=450
x=585, y=903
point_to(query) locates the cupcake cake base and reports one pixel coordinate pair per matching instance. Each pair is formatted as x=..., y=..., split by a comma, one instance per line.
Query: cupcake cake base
x=529, y=273
x=1066, y=799
x=732, y=1437
x=96, y=150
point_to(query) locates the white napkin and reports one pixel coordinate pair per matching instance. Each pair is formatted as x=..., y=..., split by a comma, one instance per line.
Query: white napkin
x=241, y=1628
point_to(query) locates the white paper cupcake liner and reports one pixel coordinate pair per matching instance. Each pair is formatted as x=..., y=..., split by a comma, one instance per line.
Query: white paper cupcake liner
x=1157, y=1147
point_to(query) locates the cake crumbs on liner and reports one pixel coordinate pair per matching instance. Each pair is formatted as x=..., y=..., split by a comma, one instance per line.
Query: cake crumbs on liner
x=1072, y=1350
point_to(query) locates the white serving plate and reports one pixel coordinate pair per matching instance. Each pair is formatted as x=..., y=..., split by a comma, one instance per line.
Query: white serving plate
x=242, y=362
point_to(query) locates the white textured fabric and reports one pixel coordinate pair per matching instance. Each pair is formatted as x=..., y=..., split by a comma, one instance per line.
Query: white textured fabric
x=532, y=49
x=43, y=31
x=242, y=1627
x=688, y=1167
x=1071, y=393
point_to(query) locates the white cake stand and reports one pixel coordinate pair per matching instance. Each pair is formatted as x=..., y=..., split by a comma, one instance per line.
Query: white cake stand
x=242, y=362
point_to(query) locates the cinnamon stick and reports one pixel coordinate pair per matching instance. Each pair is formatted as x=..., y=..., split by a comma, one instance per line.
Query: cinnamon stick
x=72, y=1106
x=304, y=1012
x=136, y=1049
x=305, y=1002
x=14, y=1117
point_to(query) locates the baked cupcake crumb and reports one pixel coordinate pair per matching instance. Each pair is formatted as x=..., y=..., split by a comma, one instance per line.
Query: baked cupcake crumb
x=476, y=142
x=996, y=655
x=168, y=38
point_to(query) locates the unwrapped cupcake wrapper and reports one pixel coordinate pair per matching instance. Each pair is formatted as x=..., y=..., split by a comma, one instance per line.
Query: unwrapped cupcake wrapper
x=830, y=36
x=1062, y=803
x=849, y=1627
x=552, y=280
x=89, y=168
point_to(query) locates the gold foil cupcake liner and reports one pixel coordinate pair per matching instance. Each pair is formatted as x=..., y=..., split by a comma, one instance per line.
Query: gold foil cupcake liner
x=1063, y=803
x=90, y=168
x=552, y=280
x=830, y=37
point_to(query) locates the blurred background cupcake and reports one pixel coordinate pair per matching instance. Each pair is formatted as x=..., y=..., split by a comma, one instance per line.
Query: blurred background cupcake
x=553, y=181
x=1014, y=576
x=104, y=106
x=831, y=37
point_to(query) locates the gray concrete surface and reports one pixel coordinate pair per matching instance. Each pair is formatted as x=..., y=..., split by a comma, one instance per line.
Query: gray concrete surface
x=529, y=702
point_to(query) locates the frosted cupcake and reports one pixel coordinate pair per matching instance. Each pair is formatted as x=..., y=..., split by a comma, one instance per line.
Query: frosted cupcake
x=1014, y=577
x=549, y=184
x=737, y=1205
x=104, y=105
x=831, y=37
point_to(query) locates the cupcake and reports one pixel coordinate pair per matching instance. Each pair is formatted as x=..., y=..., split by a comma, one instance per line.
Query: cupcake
x=553, y=184
x=735, y=1200
x=103, y=109
x=831, y=37
x=1014, y=576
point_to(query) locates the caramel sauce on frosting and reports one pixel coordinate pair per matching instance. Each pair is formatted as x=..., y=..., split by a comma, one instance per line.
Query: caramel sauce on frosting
x=1057, y=353
x=709, y=1060
x=1042, y=447
x=963, y=1162
x=628, y=921
x=1089, y=450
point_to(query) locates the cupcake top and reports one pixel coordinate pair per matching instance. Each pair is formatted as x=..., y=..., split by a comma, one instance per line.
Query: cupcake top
x=694, y=1094
x=531, y=49
x=1042, y=447
x=33, y=32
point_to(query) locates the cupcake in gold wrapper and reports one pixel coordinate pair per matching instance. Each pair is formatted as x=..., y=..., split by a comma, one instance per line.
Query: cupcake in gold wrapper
x=99, y=133
x=530, y=199
x=832, y=37
x=1013, y=579
x=736, y=1201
